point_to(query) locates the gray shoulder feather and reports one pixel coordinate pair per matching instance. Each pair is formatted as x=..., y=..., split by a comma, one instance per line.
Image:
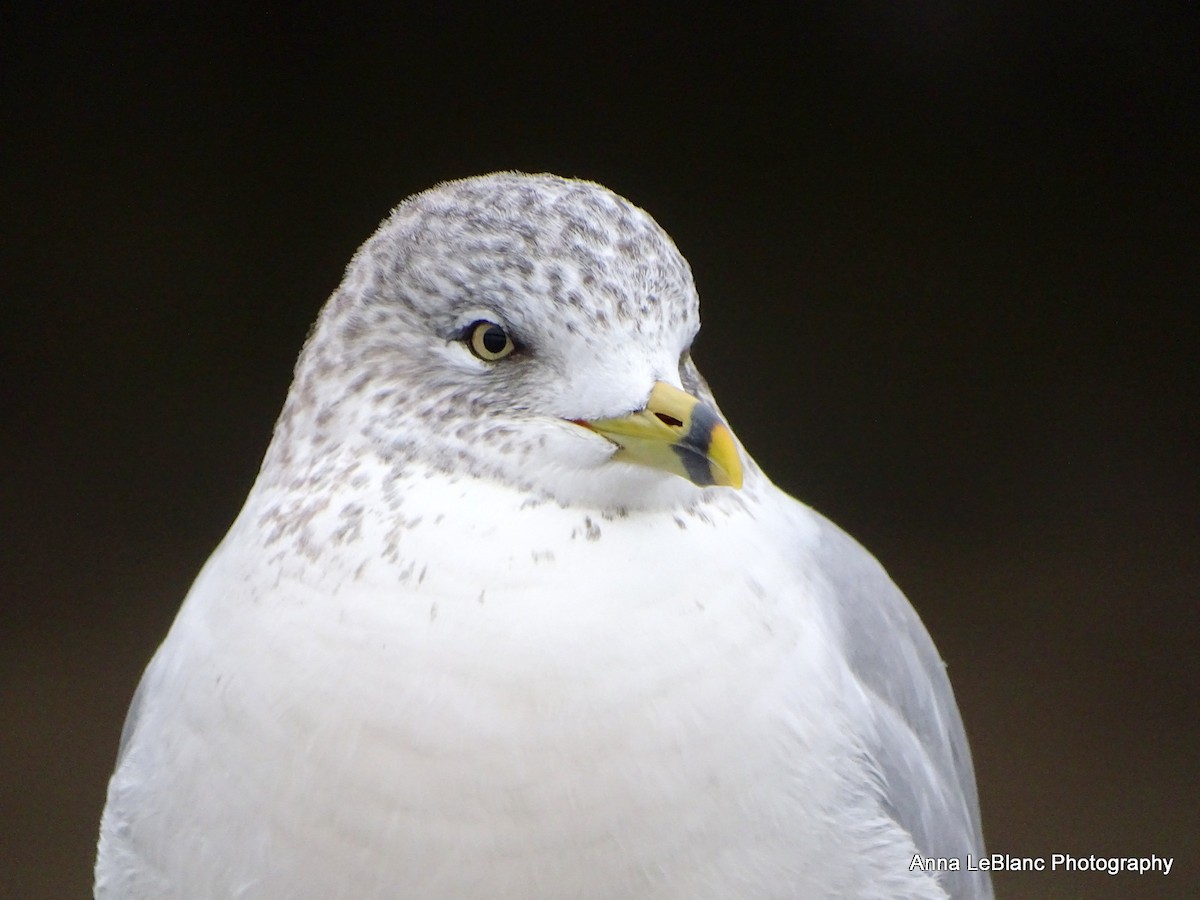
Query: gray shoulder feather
x=918, y=743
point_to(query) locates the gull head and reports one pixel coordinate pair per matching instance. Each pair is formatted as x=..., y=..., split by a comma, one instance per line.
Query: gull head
x=530, y=329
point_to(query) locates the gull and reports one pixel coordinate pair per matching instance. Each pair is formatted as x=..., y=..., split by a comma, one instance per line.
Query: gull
x=510, y=612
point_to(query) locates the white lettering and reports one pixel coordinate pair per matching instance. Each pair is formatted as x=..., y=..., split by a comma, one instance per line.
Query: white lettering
x=1003, y=862
x=934, y=863
x=1113, y=865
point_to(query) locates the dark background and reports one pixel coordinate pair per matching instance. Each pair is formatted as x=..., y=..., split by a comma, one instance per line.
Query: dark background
x=948, y=259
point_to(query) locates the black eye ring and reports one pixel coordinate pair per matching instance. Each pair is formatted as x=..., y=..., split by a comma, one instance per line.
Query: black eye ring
x=489, y=341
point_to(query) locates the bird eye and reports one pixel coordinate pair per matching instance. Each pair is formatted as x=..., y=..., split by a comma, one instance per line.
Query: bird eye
x=489, y=341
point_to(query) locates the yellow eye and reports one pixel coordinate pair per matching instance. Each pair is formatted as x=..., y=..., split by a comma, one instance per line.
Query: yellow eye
x=489, y=341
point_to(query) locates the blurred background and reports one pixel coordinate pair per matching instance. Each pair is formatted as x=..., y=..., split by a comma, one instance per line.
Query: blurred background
x=947, y=254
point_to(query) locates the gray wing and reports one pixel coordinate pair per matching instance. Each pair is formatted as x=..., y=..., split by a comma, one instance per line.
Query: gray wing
x=919, y=744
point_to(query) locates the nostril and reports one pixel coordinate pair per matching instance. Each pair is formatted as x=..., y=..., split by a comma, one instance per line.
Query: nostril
x=670, y=420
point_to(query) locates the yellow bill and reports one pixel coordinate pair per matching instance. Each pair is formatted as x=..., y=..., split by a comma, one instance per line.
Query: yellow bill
x=678, y=434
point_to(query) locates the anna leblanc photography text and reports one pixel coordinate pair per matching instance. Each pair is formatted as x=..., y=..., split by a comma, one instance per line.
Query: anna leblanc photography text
x=1057, y=862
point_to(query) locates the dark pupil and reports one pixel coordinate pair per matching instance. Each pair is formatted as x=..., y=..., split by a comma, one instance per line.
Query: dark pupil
x=494, y=339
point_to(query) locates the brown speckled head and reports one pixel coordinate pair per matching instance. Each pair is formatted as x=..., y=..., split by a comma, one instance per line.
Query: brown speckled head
x=597, y=300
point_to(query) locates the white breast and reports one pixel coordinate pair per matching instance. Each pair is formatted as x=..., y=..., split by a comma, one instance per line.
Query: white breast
x=523, y=701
